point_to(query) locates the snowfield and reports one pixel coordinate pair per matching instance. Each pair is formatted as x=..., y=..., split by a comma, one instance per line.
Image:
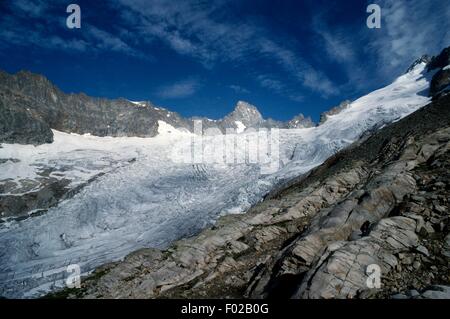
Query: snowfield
x=145, y=199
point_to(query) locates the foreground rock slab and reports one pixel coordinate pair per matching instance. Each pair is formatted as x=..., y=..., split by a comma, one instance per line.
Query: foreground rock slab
x=383, y=201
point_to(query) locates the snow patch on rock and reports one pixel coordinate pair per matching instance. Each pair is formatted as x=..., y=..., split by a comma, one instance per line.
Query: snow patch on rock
x=240, y=127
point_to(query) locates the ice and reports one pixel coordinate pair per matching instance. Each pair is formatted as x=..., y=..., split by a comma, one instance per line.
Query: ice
x=152, y=200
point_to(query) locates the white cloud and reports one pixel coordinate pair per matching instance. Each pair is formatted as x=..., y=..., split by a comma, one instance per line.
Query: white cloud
x=35, y=23
x=373, y=57
x=209, y=33
x=296, y=97
x=409, y=30
x=12, y=32
x=103, y=40
x=270, y=83
x=239, y=89
x=278, y=87
x=206, y=32
x=30, y=8
x=336, y=43
x=179, y=89
x=307, y=75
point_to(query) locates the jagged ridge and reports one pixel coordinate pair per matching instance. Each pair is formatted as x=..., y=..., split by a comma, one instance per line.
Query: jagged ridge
x=30, y=105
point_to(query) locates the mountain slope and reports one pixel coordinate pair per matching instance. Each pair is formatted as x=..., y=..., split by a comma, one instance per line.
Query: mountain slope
x=315, y=237
x=126, y=183
x=383, y=201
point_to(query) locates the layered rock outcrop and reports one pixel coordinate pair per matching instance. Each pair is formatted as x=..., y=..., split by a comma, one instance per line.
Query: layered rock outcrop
x=19, y=124
x=384, y=201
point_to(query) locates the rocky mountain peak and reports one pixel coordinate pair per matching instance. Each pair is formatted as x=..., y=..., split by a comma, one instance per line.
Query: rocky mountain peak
x=423, y=59
x=440, y=61
x=246, y=113
x=300, y=121
x=243, y=107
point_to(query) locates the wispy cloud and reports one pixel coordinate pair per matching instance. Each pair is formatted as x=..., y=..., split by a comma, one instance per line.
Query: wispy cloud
x=30, y=8
x=13, y=33
x=207, y=32
x=268, y=82
x=210, y=32
x=179, y=89
x=239, y=89
x=410, y=29
x=106, y=41
x=338, y=45
x=41, y=24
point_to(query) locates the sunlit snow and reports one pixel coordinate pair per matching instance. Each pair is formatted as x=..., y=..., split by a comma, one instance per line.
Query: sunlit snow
x=145, y=199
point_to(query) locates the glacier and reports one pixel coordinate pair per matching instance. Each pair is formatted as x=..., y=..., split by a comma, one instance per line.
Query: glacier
x=142, y=198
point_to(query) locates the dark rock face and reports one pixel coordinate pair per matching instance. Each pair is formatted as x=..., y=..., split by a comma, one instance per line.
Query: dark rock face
x=440, y=82
x=440, y=61
x=18, y=124
x=79, y=113
x=37, y=202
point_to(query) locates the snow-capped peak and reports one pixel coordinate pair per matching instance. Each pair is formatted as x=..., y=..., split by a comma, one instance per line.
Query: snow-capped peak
x=242, y=105
x=247, y=112
x=139, y=103
x=244, y=113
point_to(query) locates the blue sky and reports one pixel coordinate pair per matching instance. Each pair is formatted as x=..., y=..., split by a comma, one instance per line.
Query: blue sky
x=201, y=57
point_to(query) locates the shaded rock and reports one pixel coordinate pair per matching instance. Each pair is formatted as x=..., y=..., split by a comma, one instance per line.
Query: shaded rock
x=440, y=61
x=423, y=250
x=19, y=125
x=399, y=296
x=446, y=248
x=440, y=82
x=437, y=292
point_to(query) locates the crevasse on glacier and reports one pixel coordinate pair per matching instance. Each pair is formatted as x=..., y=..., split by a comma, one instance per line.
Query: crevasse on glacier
x=153, y=201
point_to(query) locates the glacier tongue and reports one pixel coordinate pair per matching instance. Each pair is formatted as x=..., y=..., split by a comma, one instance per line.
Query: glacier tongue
x=153, y=201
